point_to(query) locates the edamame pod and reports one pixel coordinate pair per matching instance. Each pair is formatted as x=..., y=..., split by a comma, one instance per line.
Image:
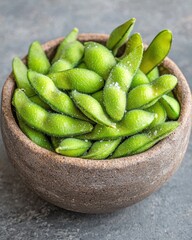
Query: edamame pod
x=143, y=141
x=73, y=147
x=146, y=95
x=99, y=97
x=118, y=83
x=102, y=149
x=37, y=59
x=132, y=123
x=139, y=79
x=36, y=99
x=171, y=106
x=120, y=35
x=98, y=58
x=133, y=42
x=153, y=74
x=71, y=37
x=160, y=114
x=82, y=80
x=82, y=65
x=60, y=65
x=57, y=100
x=91, y=108
x=156, y=51
x=37, y=137
x=52, y=124
x=20, y=74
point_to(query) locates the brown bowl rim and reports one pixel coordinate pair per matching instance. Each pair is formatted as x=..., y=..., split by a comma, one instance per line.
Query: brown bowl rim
x=185, y=102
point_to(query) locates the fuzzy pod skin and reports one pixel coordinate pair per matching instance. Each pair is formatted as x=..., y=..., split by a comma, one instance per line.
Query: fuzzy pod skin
x=132, y=123
x=37, y=59
x=118, y=83
x=102, y=149
x=36, y=99
x=153, y=74
x=56, y=99
x=20, y=74
x=143, y=141
x=52, y=124
x=156, y=51
x=98, y=59
x=99, y=97
x=60, y=65
x=160, y=114
x=120, y=35
x=82, y=80
x=91, y=108
x=73, y=147
x=146, y=95
x=139, y=79
x=37, y=137
x=171, y=106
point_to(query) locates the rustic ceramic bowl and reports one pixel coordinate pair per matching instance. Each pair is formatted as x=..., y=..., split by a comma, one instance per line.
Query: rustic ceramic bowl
x=92, y=186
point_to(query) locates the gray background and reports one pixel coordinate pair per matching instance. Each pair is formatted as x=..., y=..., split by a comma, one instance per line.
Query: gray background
x=166, y=214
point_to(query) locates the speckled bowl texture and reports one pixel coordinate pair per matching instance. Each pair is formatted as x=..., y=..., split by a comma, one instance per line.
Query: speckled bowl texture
x=95, y=186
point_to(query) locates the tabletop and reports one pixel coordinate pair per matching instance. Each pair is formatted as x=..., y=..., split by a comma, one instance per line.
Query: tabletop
x=167, y=213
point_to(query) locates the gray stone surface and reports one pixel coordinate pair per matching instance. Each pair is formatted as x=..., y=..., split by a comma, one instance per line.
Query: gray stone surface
x=166, y=214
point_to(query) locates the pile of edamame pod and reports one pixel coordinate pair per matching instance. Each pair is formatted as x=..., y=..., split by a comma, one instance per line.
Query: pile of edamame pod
x=93, y=102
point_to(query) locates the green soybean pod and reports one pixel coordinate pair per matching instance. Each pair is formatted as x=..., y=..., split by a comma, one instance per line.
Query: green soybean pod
x=37, y=137
x=118, y=83
x=102, y=149
x=133, y=42
x=20, y=74
x=71, y=37
x=60, y=65
x=56, y=99
x=37, y=59
x=153, y=74
x=132, y=123
x=36, y=99
x=91, y=108
x=146, y=95
x=82, y=80
x=139, y=79
x=171, y=106
x=52, y=124
x=73, y=147
x=160, y=114
x=99, y=97
x=120, y=35
x=143, y=141
x=156, y=51
x=98, y=58
x=82, y=65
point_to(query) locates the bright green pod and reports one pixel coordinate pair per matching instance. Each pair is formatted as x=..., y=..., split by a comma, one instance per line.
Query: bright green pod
x=56, y=99
x=82, y=65
x=73, y=53
x=20, y=74
x=146, y=95
x=91, y=108
x=160, y=114
x=156, y=51
x=99, y=97
x=171, y=106
x=73, y=147
x=133, y=122
x=143, y=141
x=118, y=83
x=37, y=137
x=133, y=42
x=120, y=35
x=71, y=37
x=52, y=124
x=36, y=99
x=153, y=74
x=82, y=80
x=102, y=149
x=60, y=65
x=98, y=58
x=37, y=59
x=139, y=79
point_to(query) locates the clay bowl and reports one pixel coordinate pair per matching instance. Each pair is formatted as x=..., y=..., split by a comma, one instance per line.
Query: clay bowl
x=92, y=186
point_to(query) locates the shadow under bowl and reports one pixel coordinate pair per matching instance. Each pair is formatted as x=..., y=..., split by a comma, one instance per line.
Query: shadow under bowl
x=93, y=186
